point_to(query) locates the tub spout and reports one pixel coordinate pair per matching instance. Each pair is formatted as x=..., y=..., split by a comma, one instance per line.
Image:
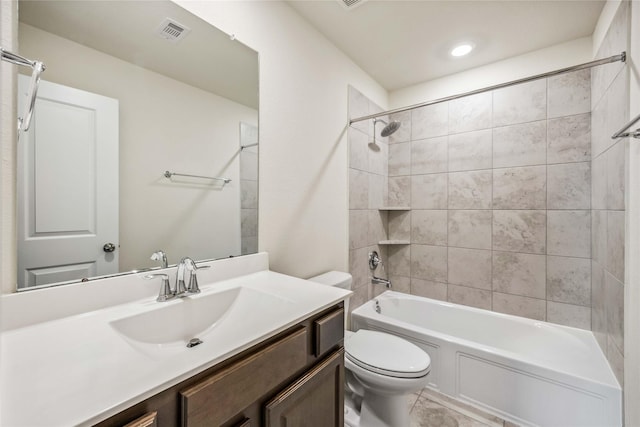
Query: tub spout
x=380, y=281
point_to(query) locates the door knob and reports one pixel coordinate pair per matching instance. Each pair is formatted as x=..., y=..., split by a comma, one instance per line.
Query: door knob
x=109, y=247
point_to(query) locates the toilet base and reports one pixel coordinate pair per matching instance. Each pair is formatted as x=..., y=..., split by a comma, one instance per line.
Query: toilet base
x=351, y=415
x=392, y=412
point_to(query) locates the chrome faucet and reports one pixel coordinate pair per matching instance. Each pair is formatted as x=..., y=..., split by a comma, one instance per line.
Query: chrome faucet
x=380, y=281
x=187, y=264
x=161, y=256
x=166, y=293
x=181, y=290
x=374, y=262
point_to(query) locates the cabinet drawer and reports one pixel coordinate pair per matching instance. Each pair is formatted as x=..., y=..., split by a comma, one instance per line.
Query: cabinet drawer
x=223, y=395
x=328, y=331
x=148, y=420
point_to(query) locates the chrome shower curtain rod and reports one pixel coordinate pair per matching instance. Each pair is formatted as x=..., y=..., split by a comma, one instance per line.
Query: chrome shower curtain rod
x=615, y=58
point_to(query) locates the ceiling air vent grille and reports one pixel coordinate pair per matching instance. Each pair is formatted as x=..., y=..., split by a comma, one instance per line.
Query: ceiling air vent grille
x=351, y=4
x=172, y=30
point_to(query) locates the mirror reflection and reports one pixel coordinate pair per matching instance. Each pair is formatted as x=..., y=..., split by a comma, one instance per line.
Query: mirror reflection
x=133, y=90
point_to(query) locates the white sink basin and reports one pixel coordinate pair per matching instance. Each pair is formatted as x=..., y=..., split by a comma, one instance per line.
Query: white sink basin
x=178, y=321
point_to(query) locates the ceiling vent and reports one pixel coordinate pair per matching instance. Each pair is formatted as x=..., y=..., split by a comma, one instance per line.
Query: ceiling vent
x=172, y=30
x=351, y=4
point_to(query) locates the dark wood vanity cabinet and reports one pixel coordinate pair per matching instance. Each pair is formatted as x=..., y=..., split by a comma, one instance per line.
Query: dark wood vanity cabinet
x=293, y=379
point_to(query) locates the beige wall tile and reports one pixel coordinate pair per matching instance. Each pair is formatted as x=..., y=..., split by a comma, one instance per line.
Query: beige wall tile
x=400, y=159
x=598, y=314
x=569, y=280
x=575, y=316
x=569, y=139
x=429, y=262
x=399, y=262
x=378, y=157
x=470, y=113
x=470, y=190
x=358, y=189
x=614, y=309
x=520, y=188
x=470, y=151
x=616, y=360
x=470, y=267
x=429, y=155
x=522, y=103
x=469, y=296
x=429, y=191
x=358, y=150
x=520, y=145
x=399, y=191
x=358, y=229
x=615, y=244
x=359, y=267
x=399, y=284
x=429, y=289
x=615, y=176
x=403, y=134
x=378, y=225
x=430, y=121
x=519, y=274
x=599, y=182
x=516, y=305
x=569, y=186
x=520, y=231
x=569, y=94
x=377, y=191
x=429, y=227
x=470, y=228
x=569, y=233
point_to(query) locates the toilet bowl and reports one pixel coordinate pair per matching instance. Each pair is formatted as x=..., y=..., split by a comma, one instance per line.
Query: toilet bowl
x=382, y=369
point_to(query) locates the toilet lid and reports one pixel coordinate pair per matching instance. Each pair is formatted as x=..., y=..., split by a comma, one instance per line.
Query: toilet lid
x=386, y=354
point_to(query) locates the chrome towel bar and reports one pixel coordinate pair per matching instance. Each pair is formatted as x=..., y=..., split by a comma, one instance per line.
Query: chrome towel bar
x=622, y=134
x=168, y=174
x=37, y=67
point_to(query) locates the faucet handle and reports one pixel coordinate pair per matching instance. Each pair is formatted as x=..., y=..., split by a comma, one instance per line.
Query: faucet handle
x=165, y=293
x=192, y=287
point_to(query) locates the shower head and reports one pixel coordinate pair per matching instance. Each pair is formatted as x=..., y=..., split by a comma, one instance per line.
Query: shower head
x=389, y=129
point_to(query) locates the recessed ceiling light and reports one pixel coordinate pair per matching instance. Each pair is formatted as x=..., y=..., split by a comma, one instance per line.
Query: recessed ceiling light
x=462, y=49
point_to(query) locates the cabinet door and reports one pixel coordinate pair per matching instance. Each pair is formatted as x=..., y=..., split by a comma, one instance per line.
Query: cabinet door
x=314, y=400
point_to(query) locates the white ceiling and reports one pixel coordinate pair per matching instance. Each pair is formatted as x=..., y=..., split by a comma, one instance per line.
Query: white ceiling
x=206, y=58
x=402, y=43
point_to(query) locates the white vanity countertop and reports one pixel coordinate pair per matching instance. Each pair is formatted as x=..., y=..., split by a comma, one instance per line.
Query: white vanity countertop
x=78, y=370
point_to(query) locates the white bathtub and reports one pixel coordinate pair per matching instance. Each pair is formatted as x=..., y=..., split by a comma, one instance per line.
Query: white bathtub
x=528, y=372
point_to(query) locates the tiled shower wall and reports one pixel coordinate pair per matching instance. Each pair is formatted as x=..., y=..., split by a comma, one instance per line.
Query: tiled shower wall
x=248, y=189
x=609, y=103
x=499, y=190
x=368, y=170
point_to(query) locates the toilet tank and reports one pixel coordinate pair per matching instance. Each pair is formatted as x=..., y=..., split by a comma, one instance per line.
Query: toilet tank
x=339, y=279
x=334, y=278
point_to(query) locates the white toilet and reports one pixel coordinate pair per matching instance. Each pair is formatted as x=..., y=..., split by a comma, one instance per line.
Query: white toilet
x=381, y=370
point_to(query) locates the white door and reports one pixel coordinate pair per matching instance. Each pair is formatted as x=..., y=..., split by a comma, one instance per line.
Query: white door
x=67, y=186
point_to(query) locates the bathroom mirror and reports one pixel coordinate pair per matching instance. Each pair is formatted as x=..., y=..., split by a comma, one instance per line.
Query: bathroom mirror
x=133, y=90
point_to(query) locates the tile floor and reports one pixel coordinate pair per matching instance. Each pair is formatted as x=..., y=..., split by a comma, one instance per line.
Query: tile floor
x=432, y=409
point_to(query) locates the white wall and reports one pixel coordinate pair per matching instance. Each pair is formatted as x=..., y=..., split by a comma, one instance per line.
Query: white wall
x=8, y=79
x=303, y=123
x=632, y=279
x=164, y=125
x=540, y=61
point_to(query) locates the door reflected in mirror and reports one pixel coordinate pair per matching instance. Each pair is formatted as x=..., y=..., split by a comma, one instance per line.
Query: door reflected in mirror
x=133, y=89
